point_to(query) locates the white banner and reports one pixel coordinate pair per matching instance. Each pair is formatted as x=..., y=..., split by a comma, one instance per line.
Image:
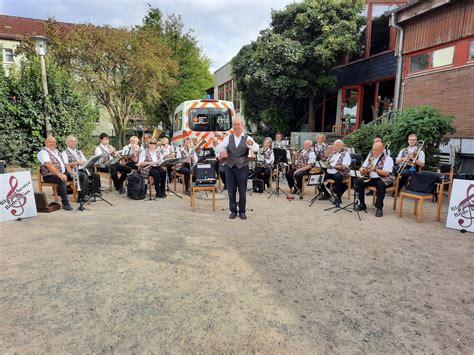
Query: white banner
x=461, y=206
x=17, y=197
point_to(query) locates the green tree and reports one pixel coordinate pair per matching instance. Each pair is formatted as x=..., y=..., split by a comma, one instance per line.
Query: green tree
x=192, y=76
x=293, y=59
x=122, y=68
x=22, y=123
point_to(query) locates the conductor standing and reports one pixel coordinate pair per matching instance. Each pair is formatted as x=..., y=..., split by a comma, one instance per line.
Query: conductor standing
x=237, y=168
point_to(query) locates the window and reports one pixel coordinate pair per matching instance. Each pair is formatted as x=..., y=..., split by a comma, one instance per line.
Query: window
x=177, y=121
x=419, y=62
x=210, y=119
x=380, y=32
x=471, y=51
x=443, y=57
x=220, y=92
x=7, y=55
x=360, y=51
x=228, y=91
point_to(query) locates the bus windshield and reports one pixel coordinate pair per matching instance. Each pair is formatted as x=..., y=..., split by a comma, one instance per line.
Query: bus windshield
x=210, y=119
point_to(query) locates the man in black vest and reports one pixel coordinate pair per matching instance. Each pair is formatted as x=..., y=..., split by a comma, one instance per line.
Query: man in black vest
x=237, y=168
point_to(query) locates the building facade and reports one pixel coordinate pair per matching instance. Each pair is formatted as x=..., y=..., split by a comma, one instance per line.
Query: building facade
x=225, y=87
x=438, y=61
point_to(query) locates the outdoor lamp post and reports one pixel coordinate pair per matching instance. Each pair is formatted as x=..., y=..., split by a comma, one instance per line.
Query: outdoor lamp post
x=41, y=46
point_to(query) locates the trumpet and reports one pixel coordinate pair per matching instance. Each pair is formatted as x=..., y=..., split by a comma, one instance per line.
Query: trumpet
x=411, y=162
x=75, y=178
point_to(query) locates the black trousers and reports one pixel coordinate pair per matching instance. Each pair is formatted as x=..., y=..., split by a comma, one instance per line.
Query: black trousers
x=405, y=174
x=132, y=165
x=339, y=187
x=113, y=169
x=185, y=169
x=237, y=179
x=263, y=174
x=62, y=188
x=159, y=178
x=291, y=176
x=83, y=183
x=360, y=185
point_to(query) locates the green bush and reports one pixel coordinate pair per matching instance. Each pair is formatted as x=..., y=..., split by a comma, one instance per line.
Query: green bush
x=427, y=122
x=22, y=125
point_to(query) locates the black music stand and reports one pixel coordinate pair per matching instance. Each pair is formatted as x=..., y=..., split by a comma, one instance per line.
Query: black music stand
x=89, y=165
x=280, y=157
x=351, y=206
x=165, y=163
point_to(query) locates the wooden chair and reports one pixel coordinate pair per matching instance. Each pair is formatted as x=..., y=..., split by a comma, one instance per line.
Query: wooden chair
x=447, y=175
x=420, y=197
x=176, y=175
x=347, y=181
x=70, y=184
x=393, y=188
x=106, y=175
x=195, y=188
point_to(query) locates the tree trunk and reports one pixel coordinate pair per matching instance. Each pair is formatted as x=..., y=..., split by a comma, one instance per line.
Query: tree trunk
x=311, y=114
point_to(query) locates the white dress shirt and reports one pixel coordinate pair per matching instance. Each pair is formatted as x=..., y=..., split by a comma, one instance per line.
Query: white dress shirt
x=180, y=155
x=43, y=158
x=156, y=156
x=421, y=156
x=333, y=160
x=76, y=154
x=387, y=165
x=223, y=145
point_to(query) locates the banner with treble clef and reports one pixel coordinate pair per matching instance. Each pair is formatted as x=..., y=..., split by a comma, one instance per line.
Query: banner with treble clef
x=461, y=206
x=17, y=198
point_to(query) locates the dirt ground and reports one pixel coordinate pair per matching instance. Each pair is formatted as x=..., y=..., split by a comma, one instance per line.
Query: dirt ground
x=154, y=277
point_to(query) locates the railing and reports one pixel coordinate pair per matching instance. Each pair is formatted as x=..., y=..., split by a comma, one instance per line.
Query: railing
x=386, y=117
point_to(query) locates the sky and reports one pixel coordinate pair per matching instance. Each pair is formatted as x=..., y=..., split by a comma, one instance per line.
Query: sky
x=221, y=27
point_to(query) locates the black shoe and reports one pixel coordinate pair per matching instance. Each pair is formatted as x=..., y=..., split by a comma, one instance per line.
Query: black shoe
x=324, y=197
x=379, y=212
x=187, y=193
x=360, y=207
x=233, y=215
x=369, y=193
x=337, y=201
x=67, y=206
x=242, y=216
x=121, y=190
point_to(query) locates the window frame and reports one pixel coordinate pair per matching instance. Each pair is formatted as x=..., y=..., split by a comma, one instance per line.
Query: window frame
x=5, y=56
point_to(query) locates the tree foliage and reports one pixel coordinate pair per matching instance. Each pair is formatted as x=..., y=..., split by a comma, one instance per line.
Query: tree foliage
x=122, y=68
x=192, y=76
x=428, y=123
x=22, y=123
x=293, y=58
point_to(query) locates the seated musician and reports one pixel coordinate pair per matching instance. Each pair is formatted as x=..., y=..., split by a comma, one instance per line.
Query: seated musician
x=306, y=158
x=338, y=165
x=407, y=156
x=386, y=151
x=73, y=157
x=168, y=152
x=146, y=137
x=186, y=152
x=265, y=159
x=320, y=148
x=148, y=165
x=379, y=168
x=131, y=153
x=53, y=169
x=279, y=142
x=109, y=153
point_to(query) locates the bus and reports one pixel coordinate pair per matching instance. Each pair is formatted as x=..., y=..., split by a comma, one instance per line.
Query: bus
x=202, y=119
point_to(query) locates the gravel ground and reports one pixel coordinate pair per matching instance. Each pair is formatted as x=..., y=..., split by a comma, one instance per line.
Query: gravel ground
x=154, y=277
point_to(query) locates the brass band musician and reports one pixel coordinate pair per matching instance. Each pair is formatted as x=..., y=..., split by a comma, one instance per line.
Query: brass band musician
x=337, y=169
x=265, y=159
x=279, y=142
x=186, y=152
x=320, y=148
x=148, y=165
x=109, y=153
x=378, y=168
x=131, y=153
x=146, y=137
x=74, y=158
x=168, y=152
x=306, y=158
x=53, y=169
x=408, y=155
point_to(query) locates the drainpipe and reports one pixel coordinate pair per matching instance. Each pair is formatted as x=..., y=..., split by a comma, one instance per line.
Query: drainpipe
x=398, y=78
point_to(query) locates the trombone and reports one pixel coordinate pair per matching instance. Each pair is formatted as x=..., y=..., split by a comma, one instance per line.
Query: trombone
x=411, y=162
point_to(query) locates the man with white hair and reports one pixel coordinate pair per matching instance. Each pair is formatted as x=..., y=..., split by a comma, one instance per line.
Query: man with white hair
x=300, y=168
x=237, y=168
x=338, y=165
x=54, y=170
x=73, y=158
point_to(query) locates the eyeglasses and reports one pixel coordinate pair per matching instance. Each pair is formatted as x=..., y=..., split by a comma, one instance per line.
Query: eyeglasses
x=152, y=143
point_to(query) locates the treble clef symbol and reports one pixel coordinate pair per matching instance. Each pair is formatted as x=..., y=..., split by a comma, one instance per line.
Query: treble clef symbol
x=15, y=199
x=466, y=208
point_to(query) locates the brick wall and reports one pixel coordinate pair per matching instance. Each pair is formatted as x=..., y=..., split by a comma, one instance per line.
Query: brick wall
x=451, y=91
